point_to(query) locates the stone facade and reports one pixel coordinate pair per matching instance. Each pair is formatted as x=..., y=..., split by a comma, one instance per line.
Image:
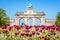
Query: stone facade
x=30, y=13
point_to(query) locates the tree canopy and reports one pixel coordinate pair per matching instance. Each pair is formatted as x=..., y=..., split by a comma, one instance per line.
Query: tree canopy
x=4, y=19
x=57, y=22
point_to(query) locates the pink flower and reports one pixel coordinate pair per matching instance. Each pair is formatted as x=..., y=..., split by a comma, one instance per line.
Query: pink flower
x=52, y=30
x=27, y=30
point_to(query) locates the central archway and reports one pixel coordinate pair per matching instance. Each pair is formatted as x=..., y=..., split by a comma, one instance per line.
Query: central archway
x=37, y=21
x=30, y=21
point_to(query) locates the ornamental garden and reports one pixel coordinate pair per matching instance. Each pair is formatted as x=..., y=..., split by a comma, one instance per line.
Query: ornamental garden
x=28, y=32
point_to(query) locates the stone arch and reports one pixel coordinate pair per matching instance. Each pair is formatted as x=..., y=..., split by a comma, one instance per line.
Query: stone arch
x=30, y=21
x=21, y=21
x=37, y=21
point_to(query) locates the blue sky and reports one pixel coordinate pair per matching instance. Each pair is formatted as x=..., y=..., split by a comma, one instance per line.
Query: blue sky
x=49, y=7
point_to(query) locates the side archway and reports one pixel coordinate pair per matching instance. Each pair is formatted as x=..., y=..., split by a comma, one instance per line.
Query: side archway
x=21, y=21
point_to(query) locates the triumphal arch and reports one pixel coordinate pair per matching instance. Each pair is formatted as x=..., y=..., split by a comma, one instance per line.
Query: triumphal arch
x=30, y=13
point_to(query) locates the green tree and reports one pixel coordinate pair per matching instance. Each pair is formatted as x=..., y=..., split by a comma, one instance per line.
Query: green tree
x=4, y=19
x=57, y=22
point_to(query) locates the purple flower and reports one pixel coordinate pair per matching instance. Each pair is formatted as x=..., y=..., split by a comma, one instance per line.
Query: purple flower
x=40, y=31
x=17, y=33
x=42, y=27
x=49, y=35
x=53, y=28
x=22, y=34
x=37, y=33
x=37, y=29
x=27, y=27
x=10, y=28
x=30, y=26
x=5, y=31
x=54, y=33
x=17, y=27
x=36, y=26
x=30, y=35
x=57, y=28
x=33, y=33
x=26, y=34
x=46, y=38
x=47, y=28
x=4, y=27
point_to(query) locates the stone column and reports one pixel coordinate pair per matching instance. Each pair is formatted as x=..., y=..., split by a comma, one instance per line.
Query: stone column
x=17, y=21
x=42, y=21
x=26, y=21
x=33, y=21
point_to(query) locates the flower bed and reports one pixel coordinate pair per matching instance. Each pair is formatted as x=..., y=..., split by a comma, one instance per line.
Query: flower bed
x=29, y=32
